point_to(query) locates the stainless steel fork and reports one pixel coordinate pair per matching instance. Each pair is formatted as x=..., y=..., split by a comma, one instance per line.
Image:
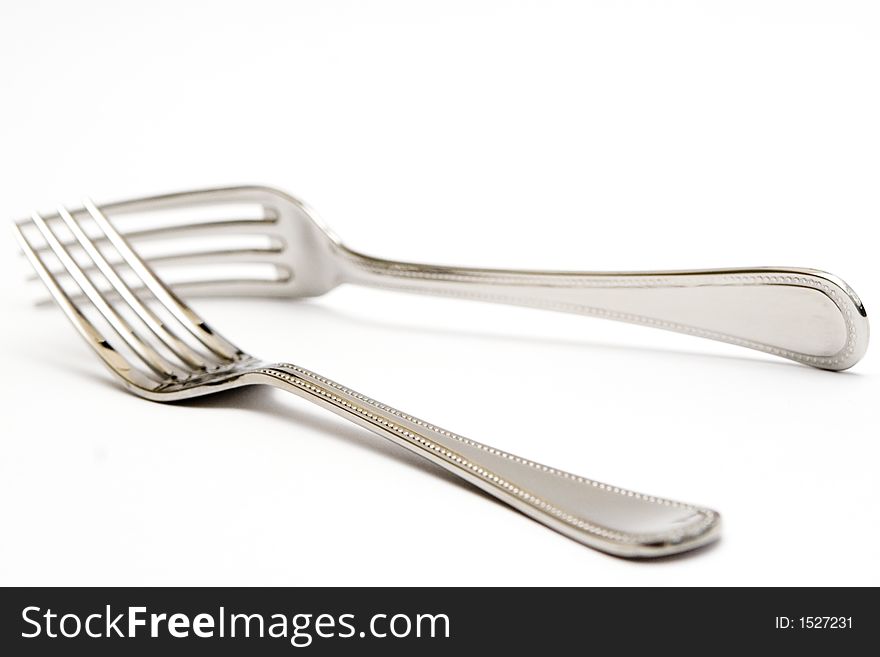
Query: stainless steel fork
x=159, y=349
x=805, y=315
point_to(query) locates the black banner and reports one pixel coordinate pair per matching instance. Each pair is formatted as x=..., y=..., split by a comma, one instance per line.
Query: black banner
x=280, y=621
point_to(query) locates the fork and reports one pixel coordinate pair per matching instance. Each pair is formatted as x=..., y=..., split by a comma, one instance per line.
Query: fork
x=805, y=315
x=161, y=350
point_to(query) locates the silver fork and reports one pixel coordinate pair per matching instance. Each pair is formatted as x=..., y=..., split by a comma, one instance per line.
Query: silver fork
x=805, y=315
x=161, y=350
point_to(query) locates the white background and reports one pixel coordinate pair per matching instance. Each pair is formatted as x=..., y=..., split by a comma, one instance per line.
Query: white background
x=601, y=135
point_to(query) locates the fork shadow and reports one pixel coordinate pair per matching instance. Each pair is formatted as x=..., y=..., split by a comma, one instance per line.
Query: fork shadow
x=747, y=358
x=258, y=400
x=251, y=399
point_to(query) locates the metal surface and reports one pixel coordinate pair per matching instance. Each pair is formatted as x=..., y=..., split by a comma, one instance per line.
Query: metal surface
x=804, y=315
x=161, y=350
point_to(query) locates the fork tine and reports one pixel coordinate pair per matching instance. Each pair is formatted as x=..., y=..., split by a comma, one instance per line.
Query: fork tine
x=112, y=358
x=171, y=341
x=192, y=322
x=143, y=350
x=219, y=287
x=219, y=227
x=233, y=256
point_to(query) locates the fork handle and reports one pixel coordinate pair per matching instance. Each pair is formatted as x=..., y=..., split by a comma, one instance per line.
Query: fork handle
x=804, y=315
x=605, y=517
